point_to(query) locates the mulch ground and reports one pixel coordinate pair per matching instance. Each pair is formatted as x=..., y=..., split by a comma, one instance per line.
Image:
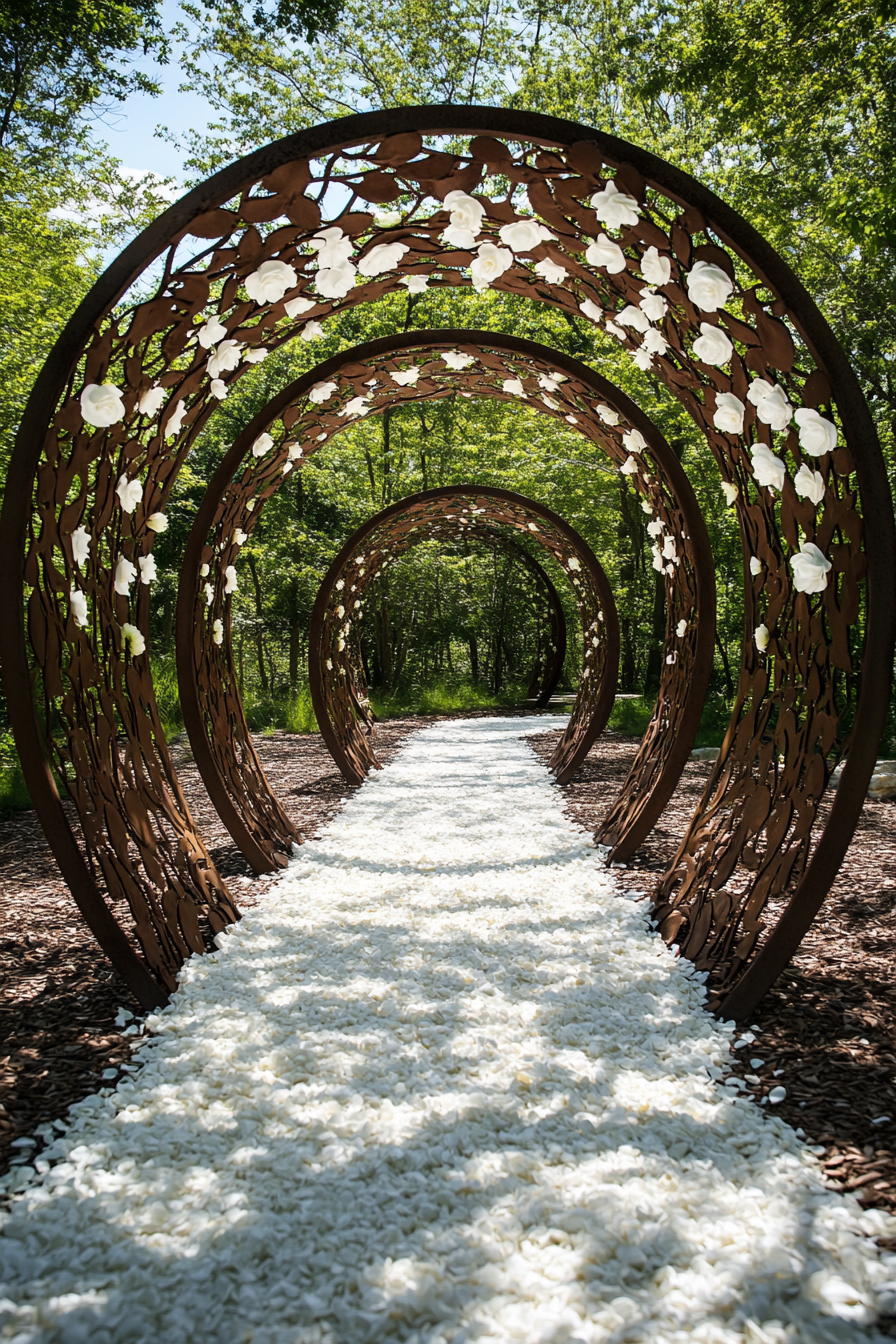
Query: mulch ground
x=826, y=1031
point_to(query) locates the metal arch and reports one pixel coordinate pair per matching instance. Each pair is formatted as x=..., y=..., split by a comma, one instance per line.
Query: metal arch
x=234, y=501
x=755, y=810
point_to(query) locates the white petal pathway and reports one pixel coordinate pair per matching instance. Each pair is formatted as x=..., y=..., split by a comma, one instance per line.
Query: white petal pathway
x=444, y=1085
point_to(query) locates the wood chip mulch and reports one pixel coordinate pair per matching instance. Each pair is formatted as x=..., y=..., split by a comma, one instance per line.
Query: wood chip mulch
x=826, y=1032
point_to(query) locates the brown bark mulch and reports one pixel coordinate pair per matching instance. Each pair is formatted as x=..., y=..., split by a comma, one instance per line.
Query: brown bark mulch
x=826, y=1031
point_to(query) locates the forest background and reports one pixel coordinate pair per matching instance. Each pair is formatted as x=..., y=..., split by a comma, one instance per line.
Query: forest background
x=786, y=108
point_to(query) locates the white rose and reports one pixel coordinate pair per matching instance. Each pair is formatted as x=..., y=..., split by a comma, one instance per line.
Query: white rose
x=81, y=540
x=458, y=235
x=643, y=358
x=129, y=493
x=573, y=564
x=132, y=640
x=614, y=207
x=810, y=568
x=407, y=378
x=571, y=419
x=455, y=360
x=607, y=414
x=295, y=450
x=634, y=441
x=655, y=527
x=551, y=404
x=263, y=444
x=230, y=584
x=416, y=284
x=655, y=342
x=225, y=358
x=357, y=406
x=762, y=635
x=238, y=536
x=646, y=506
x=755, y=565
x=102, y=405
x=708, y=286
x=333, y=247
x=387, y=219
x=654, y=305
x=312, y=331
x=616, y=331
x=657, y=560
x=297, y=306
x=203, y=571
x=588, y=308
x=817, y=435
x=335, y=281
x=730, y=491
x=218, y=388
x=655, y=269
x=218, y=631
x=809, y=484
x=124, y=576
x=148, y=570
x=670, y=551
x=552, y=272
x=157, y=522
x=767, y=468
x=524, y=235
x=629, y=466
x=729, y=413
x=78, y=604
x=680, y=628
x=255, y=356
x=605, y=253
x=630, y=316
x=513, y=387
x=384, y=257
x=211, y=332
x=270, y=282
x=321, y=392
x=712, y=345
x=465, y=210
x=151, y=402
x=770, y=400
x=489, y=265
x=209, y=594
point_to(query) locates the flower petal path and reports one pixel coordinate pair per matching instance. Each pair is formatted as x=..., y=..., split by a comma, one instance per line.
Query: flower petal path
x=445, y=1083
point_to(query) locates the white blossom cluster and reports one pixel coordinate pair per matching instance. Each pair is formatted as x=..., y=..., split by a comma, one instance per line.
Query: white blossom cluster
x=444, y=1084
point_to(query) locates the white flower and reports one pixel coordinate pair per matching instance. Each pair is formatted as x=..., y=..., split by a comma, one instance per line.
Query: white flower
x=148, y=570
x=203, y=571
x=157, y=522
x=616, y=331
x=634, y=441
x=270, y=282
x=630, y=316
x=81, y=540
x=629, y=466
x=132, y=640
x=643, y=358
x=101, y=405
x=809, y=484
x=263, y=444
x=129, y=493
x=124, y=576
x=657, y=561
x=230, y=584
x=607, y=414
x=218, y=631
x=455, y=360
x=772, y=406
x=335, y=281
x=458, y=235
x=225, y=357
x=239, y=536
x=296, y=307
x=756, y=565
x=712, y=345
x=603, y=252
x=768, y=469
x=209, y=591
x=708, y=286
x=218, y=388
x=614, y=207
x=655, y=527
x=514, y=387
x=646, y=506
x=655, y=342
x=384, y=257
x=329, y=664
x=552, y=272
x=312, y=331
x=810, y=568
x=729, y=413
x=572, y=563
x=817, y=435
x=151, y=402
x=654, y=305
x=78, y=604
x=387, y=219
x=255, y=356
x=416, y=284
x=295, y=450
x=466, y=212
x=287, y=468
x=730, y=491
x=357, y=406
x=762, y=635
x=588, y=308
x=332, y=246
x=551, y=404
x=211, y=332
x=571, y=419
x=524, y=235
x=655, y=269
x=680, y=628
x=408, y=378
x=670, y=551
x=551, y=382
x=321, y=392
x=489, y=264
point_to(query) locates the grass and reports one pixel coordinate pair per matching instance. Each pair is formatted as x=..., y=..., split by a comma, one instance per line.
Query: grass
x=632, y=717
x=441, y=697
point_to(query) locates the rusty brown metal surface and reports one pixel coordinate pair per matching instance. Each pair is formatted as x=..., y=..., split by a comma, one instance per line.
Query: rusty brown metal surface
x=821, y=683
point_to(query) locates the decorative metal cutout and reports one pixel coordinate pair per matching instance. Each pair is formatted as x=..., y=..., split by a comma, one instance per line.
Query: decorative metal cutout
x=606, y=232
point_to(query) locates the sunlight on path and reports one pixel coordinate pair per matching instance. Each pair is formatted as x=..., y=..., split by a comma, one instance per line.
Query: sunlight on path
x=444, y=1085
